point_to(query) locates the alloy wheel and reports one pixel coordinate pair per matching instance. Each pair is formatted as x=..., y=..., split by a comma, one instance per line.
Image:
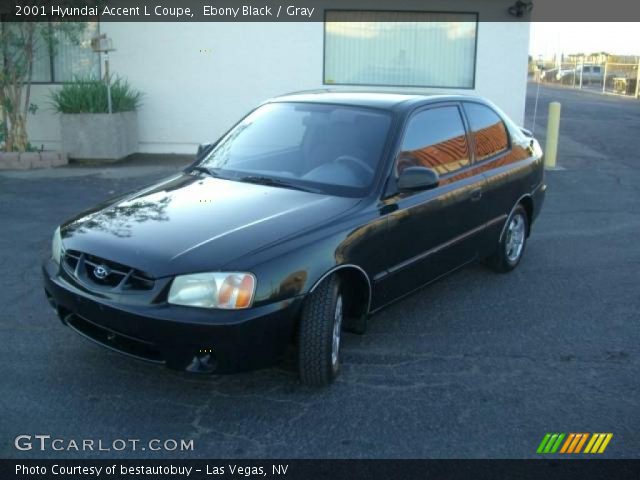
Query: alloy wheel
x=515, y=238
x=337, y=327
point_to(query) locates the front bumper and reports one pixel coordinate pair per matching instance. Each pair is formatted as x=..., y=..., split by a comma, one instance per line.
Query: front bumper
x=182, y=338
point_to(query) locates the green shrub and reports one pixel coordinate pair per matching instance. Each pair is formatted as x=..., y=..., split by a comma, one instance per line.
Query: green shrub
x=90, y=96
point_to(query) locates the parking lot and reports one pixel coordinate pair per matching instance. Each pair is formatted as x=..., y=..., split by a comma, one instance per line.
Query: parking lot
x=476, y=365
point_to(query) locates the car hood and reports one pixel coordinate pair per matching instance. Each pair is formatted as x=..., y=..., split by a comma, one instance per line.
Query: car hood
x=192, y=224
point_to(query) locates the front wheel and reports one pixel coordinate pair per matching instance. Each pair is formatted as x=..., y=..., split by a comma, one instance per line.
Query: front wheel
x=512, y=244
x=320, y=333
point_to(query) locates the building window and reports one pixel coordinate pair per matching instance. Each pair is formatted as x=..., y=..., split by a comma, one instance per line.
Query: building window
x=435, y=139
x=413, y=49
x=489, y=133
x=63, y=60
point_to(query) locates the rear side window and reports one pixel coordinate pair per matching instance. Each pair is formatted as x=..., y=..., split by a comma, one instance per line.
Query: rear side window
x=489, y=133
x=435, y=139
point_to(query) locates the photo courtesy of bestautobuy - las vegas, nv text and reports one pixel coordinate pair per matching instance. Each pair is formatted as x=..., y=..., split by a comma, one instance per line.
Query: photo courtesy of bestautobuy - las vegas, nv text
x=307, y=239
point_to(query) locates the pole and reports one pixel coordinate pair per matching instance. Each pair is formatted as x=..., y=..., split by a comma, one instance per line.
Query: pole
x=108, y=79
x=581, y=71
x=638, y=80
x=553, y=130
x=604, y=78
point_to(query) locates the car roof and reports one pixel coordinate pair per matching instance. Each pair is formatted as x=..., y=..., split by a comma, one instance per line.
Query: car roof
x=397, y=101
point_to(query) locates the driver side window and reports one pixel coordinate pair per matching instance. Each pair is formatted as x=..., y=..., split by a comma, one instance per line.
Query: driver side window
x=436, y=139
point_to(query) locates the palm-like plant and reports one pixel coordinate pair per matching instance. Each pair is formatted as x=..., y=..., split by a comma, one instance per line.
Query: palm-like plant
x=90, y=96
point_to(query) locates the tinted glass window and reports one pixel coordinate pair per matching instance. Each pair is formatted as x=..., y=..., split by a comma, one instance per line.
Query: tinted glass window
x=488, y=129
x=317, y=144
x=596, y=69
x=435, y=138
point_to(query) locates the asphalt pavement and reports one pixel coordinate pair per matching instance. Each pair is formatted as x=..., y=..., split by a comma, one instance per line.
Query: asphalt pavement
x=477, y=365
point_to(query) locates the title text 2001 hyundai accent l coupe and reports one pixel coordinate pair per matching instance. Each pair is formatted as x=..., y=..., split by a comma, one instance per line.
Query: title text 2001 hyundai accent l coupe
x=314, y=211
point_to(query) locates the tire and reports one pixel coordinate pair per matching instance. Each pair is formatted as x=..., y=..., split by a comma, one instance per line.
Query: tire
x=320, y=323
x=512, y=245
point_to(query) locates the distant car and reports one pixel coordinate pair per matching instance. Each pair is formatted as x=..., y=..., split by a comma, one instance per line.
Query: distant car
x=313, y=212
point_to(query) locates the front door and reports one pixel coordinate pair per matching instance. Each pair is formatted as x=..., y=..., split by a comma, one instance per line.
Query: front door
x=434, y=231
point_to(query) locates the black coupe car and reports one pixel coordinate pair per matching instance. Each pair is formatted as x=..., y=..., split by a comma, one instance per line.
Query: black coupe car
x=313, y=212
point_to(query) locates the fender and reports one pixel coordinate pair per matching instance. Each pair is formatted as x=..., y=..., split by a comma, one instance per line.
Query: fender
x=504, y=227
x=341, y=267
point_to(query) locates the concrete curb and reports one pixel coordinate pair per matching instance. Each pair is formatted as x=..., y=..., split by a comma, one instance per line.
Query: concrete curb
x=31, y=160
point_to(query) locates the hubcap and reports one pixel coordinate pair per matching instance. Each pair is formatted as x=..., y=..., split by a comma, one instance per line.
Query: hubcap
x=337, y=326
x=515, y=238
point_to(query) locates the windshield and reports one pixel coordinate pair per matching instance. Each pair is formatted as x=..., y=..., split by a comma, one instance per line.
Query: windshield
x=332, y=148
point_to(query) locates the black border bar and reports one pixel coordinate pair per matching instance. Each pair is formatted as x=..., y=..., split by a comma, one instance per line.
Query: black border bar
x=332, y=469
x=313, y=10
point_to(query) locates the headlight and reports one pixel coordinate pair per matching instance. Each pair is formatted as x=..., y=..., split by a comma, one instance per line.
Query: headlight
x=56, y=246
x=231, y=290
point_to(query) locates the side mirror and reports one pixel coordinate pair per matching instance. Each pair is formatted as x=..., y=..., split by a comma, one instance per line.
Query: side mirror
x=418, y=178
x=203, y=150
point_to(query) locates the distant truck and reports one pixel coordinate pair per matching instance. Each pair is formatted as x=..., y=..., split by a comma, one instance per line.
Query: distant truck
x=590, y=74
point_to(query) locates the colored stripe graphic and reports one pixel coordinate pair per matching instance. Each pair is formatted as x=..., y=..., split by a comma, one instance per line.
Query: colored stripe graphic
x=581, y=442
x=574, y=443
x=556, y=445
x=568, y=442
x=605, y=443
x=544, y=441
x=591, y=442
x=598, y=443
x=550, y=443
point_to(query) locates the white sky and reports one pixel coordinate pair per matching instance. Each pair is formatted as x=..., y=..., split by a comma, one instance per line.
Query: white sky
x=617, y=38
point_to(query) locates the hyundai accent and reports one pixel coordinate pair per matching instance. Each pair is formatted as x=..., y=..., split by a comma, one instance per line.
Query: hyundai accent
x=313, y=212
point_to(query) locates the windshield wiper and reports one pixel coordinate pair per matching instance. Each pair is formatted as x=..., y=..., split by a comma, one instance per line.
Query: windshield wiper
x=201, y=169
x=274, y=182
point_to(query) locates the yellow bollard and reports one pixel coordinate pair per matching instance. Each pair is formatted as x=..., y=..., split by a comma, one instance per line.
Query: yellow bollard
x=553, y=129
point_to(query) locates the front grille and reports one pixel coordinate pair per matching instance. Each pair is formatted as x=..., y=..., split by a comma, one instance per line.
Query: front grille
x=105, y=274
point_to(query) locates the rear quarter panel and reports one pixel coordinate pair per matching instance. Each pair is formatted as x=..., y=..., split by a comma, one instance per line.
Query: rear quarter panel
x=511, y=178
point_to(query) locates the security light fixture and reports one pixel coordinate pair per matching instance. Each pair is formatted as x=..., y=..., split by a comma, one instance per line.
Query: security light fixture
x=102, y=44
x=519, y=8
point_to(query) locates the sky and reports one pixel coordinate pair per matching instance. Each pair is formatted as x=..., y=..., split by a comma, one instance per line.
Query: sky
x=619, y=38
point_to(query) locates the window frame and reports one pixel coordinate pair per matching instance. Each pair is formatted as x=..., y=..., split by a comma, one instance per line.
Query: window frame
x=472, y=139
x=51, y=61
x=424, y=108
x=383, y=85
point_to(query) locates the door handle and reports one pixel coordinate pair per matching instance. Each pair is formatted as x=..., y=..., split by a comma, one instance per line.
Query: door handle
x=476, y=195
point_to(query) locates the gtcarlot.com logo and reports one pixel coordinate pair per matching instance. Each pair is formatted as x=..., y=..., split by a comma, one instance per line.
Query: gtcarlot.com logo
x=48, y=443
x=574, y=443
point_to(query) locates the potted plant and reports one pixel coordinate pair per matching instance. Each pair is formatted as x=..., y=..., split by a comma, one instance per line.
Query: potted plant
x=89, y=131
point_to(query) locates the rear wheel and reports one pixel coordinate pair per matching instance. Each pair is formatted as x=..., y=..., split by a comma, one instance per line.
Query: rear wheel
x=320, y=333
x=511, y=247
